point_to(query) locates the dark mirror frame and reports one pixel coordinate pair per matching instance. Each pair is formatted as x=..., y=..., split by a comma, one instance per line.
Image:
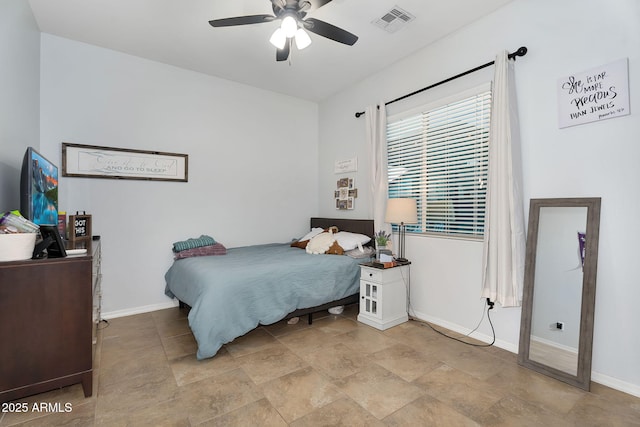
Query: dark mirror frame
x=583, y=377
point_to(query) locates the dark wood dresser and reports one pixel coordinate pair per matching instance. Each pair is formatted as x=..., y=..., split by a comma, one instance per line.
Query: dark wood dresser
x=49, y=309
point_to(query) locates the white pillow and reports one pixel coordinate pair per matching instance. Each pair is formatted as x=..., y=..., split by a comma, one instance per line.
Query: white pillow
x=314, y=232
x=349, y=240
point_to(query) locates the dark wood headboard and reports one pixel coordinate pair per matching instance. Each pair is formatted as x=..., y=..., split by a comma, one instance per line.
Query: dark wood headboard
x=361, y=226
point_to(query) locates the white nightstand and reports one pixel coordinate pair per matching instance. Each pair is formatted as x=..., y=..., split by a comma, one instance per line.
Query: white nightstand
x=383, y=296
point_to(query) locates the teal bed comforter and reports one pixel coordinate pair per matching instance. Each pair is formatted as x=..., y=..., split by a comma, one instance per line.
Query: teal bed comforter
x=231, y=294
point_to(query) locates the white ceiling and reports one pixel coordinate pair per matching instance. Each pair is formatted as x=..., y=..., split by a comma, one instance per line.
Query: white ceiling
x=177, y=32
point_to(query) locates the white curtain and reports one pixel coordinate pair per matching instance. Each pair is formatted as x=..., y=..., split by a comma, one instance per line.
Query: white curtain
x=376, y=118
x=504, y=237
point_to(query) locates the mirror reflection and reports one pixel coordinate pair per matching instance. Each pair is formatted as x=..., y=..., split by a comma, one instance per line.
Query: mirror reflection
x=557, y=294
x=558, y=302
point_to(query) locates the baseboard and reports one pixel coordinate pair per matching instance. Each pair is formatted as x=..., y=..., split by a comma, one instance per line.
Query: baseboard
x=599, y=378
x=464, y=331
x=616, y=384
x=139, y=310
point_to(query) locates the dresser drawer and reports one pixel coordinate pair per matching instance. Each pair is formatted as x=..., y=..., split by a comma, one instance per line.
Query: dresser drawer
x=371, y=274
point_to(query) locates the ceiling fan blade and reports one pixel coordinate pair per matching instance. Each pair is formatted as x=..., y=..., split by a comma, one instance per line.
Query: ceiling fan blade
x=283, y=54
x=329, y=31
x=241, y=20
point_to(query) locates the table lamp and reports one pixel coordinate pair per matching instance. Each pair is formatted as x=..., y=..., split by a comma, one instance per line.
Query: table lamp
x=401, y=211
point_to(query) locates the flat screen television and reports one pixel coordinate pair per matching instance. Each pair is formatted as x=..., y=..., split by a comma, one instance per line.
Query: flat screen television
x=39, y=189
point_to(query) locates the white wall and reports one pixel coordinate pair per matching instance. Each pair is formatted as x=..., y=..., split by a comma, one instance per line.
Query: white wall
x=597, y=159
x=252, y=161
x=19, y=95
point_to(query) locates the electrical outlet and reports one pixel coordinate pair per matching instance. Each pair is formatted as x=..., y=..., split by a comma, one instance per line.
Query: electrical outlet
x=557, y=326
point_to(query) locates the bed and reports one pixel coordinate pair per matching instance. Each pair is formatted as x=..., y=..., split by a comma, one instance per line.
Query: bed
x=232, y=294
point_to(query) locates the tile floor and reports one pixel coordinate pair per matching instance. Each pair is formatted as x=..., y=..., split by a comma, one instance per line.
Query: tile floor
x=335, y=372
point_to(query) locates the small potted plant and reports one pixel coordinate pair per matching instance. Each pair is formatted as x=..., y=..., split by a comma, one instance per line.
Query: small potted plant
x=382, y=238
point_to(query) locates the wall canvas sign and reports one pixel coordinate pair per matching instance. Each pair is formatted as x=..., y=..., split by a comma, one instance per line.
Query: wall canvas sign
x=343, y=166
x=593, y=95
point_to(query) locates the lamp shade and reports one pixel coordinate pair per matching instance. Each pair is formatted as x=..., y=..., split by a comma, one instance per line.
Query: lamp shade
x=402, y=210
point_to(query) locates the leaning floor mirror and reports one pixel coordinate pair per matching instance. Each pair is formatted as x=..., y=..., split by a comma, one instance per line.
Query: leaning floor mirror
x=558, y=302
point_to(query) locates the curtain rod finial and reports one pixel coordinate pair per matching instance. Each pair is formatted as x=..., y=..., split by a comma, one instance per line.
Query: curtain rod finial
x=522, y=51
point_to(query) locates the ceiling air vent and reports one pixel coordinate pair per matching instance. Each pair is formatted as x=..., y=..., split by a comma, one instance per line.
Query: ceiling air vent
x=393, y=20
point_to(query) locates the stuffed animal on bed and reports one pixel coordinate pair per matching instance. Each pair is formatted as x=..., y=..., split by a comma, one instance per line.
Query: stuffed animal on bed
x=324, y=243
x=303, y=241
x=320, y=244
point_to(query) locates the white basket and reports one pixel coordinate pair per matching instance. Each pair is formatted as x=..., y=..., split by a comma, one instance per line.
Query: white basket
x=15, y=247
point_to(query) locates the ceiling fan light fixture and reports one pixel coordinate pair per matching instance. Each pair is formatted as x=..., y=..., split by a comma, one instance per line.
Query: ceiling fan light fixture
x=278, y=38
x=293, y=23
x=302, y=39
x=289, y=26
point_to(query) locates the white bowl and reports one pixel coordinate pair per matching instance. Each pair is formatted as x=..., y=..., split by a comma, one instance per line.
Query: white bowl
x=15, y=247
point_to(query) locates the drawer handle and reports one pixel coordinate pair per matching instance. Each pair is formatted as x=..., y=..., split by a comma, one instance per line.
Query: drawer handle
x=370, y=274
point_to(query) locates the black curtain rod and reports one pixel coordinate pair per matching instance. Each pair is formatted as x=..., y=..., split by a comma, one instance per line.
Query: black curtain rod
x=520, y=52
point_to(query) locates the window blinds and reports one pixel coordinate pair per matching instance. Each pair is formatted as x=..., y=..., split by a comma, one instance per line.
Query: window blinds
x=440, y=158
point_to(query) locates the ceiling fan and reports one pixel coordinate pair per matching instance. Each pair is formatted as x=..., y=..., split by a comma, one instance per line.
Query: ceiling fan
x=292, y=13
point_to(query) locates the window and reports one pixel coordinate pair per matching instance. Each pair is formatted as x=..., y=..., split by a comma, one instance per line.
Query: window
x=440, y=158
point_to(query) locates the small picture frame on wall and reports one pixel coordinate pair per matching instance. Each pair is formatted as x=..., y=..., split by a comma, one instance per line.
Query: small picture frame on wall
x=79, y=227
